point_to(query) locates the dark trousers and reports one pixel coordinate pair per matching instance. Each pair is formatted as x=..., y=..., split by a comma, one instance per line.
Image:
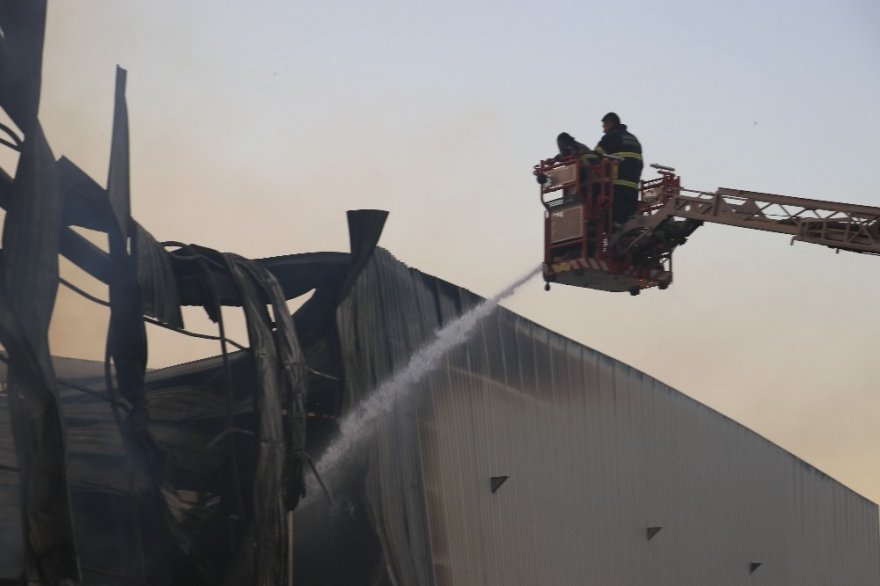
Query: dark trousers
x=626, y=200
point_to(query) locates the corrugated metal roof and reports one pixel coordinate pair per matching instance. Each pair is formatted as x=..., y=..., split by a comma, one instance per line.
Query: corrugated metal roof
x=595, y=452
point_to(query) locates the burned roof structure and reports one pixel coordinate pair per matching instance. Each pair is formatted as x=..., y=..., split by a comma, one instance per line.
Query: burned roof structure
x=212, y=471
x=523, y=458
x=99, y=455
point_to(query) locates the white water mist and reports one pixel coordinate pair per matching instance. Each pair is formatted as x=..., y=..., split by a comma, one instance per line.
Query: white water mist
x=357, y=425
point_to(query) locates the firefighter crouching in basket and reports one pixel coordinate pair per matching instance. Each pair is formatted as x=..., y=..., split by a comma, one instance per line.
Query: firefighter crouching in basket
x=617, y=141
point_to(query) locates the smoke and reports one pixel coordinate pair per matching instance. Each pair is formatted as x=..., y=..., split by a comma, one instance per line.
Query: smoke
x=358, y=425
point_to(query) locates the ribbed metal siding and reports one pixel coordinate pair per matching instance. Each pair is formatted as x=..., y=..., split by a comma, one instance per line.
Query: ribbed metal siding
x=596, y=453
x=566, y=224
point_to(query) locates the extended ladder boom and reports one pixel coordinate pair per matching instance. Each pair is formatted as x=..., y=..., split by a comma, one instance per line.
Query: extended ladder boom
x=584, y=246
x=838, y=225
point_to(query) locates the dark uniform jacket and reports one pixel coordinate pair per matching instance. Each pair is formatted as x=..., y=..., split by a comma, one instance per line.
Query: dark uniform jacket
x=621, y=143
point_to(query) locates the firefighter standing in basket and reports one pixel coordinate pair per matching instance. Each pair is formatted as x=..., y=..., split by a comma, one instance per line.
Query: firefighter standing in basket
x=617, y=141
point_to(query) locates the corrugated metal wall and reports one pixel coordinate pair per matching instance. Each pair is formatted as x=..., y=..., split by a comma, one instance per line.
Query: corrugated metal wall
x=595, y=451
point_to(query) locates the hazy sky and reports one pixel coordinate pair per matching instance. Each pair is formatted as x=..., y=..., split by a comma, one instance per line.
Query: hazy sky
x=256, y=125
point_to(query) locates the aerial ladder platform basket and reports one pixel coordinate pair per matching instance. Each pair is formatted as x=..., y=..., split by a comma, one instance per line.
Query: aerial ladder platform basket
x=584, y=248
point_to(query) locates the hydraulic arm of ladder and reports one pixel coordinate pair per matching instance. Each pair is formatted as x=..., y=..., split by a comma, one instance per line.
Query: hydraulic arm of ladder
x=843, y=226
